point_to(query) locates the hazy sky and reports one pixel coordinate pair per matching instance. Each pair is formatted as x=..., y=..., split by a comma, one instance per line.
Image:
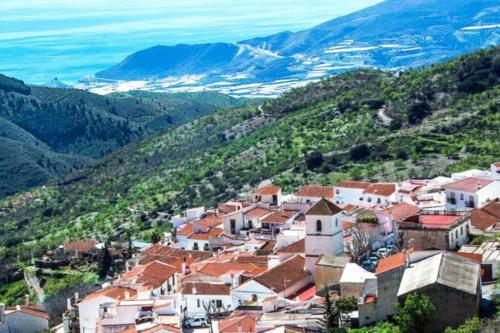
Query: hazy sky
x=40, y=39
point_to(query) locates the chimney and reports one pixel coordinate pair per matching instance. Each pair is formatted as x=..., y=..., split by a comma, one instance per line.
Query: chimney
x=77, y=297
x=127, y=266
x=272, y=261
x=18, y=307
x=127, y=295
x=194, y=288
x=26, y=300
x=68, y=304
x=2, y=312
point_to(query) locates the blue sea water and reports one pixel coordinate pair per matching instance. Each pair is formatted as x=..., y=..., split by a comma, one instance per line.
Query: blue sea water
x=42, y=39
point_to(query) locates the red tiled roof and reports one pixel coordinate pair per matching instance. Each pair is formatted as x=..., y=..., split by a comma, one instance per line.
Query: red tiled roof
x=391, y=262
x=438, y=221
x=382, y=189
x=162, y=327
x=401, y=211
x=203, y=288
x=258, y=212
x=115, y=292
x=32, y=310
x=238, y=324
x=154, y=274
x=315, y=191
x=277, y=217
x=295, y=247
x=470, y=185
x=472, y=256
x=306, y=293
x=82, y=246
x=324, y=207
x=487, y=216
x=284, y=275
x=210, y=221
x=218, y=269
x=268, y=190
x=497, y=164
x=187, y=230
x=353, y=184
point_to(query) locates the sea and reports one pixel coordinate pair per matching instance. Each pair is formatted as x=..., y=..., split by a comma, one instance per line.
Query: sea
x=72, y=40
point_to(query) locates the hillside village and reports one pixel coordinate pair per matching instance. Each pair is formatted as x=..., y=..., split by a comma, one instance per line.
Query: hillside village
x=268, y=263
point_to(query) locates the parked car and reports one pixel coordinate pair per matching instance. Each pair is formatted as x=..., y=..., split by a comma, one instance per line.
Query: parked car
x=196, y=322
x=383, y=252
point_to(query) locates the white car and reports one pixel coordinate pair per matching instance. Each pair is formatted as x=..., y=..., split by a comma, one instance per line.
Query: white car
x=196, y=322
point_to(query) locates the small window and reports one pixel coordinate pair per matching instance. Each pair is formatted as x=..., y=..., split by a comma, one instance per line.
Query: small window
x=219, y=303
x=337, y=192
x=319, y=226
x=456, y=233
x=378, y=200
x=336, y=222
x=461, y=230
x=369, y=199
x=461, y=196
x=451, y=236
x=198, y=302
x=254, y=298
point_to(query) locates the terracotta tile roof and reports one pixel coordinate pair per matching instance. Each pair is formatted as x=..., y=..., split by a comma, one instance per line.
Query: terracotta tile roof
x=382, y=189
x=400, y=211
x=215, y=232
x=203, y=288
x=315, y=191
x=353, y=184
x=200, y=236
x=218, y=269
x=497, y=164
x=32, y=310
x=349, y=207
x=238, y=324
x=187, y=230
x=154, y=274
x=256, y=260
x=210, y=221
x=268, y=190
x=162, y=327
x=472, y=256
x=115, y=292
x=278, y=217
x=258, y=212
x=438, y=221
x=295, y=247
x=487, y=216
x=470, y=185
x=172, y=256
x=82, y=246
x=391, y=262
x=286, y=274
x=324, y=208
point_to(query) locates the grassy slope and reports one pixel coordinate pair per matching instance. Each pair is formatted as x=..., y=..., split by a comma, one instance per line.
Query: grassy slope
x=49, y=132
x=220, y=156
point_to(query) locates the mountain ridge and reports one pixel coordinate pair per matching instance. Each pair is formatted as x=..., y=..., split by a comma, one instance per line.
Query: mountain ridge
x=393, y=34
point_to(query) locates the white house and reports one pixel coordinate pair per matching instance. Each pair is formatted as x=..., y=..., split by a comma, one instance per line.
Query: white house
x=89, y=307
x=470, y=193
x=324, y=233
x=349, y=192
x=23, y=318
x=158, y=276
x=268, y=194
x=200, y=297
x=282, y=280
x=379, y=194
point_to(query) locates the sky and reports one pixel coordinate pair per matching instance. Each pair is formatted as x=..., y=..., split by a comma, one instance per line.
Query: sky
x=42, y=39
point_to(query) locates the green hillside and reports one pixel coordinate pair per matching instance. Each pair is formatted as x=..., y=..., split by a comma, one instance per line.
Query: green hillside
x=57, y=131
x=364, y=125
